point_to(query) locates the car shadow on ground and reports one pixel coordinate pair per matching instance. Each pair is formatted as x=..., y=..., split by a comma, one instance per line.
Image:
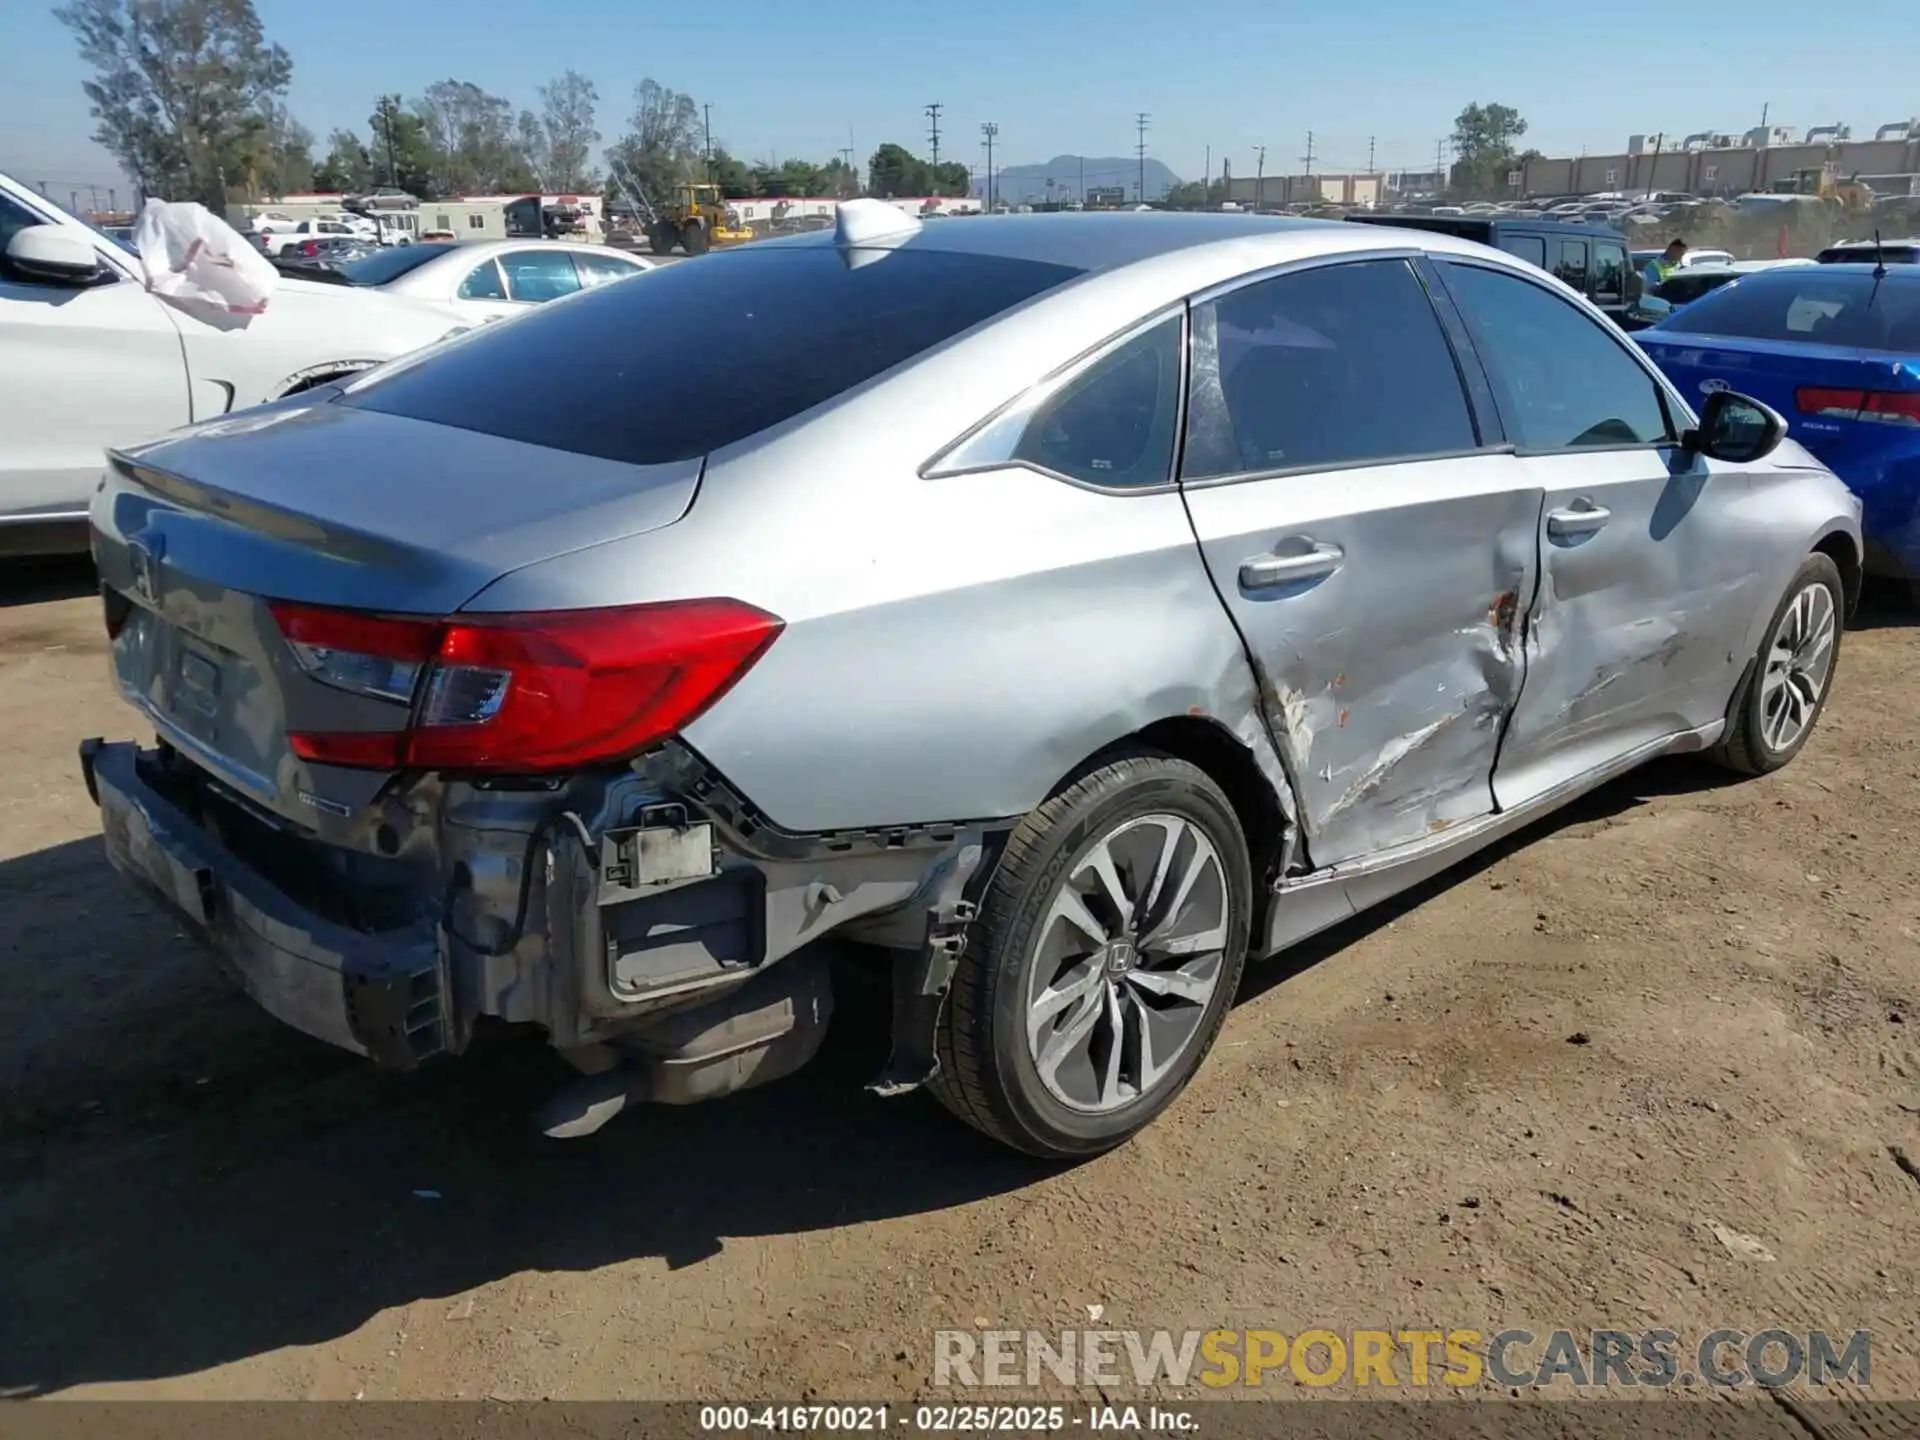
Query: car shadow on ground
x=44, y=578
x=250, y=1190
x=1887, y=605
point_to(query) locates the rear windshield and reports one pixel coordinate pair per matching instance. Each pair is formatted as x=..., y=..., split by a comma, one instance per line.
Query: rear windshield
x=1854, y=310
x=1867, y=255
x=391, y=263
x=1683, y=289
x=706, y=352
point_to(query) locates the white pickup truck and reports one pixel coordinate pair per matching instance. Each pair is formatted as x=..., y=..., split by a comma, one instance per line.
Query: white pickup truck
x=89, y=358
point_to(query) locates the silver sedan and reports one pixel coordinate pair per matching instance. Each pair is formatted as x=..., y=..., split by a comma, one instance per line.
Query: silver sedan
x=492, y=279
x=1070, y=606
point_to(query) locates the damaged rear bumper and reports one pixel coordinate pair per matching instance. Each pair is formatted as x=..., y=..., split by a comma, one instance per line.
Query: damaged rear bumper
x=379, y=995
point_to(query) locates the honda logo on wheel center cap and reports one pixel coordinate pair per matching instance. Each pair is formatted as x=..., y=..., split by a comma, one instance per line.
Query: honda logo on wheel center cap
x=1120, y=957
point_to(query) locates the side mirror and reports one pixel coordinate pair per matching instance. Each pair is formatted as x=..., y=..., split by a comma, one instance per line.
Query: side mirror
x=1736, y=429
x=52, y=254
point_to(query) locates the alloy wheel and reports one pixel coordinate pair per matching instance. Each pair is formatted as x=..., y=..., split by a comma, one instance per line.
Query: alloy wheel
x=1126, y=962
x=1798, y=666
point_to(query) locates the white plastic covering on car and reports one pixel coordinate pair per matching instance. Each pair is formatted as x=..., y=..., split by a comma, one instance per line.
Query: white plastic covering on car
x=194, y=258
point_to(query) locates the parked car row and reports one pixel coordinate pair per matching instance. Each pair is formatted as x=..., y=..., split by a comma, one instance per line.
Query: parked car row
x=1108, y=600
x=89, y=359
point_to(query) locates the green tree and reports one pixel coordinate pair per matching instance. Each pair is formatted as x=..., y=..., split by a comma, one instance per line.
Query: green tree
x=565, y=133
x=1484, y=139
x=183, y=90
x=663, y=146
x=475, y=146
x=839, y=179
x=737, y=179
x=895, y=170
x=402, y=156
x=348, y=169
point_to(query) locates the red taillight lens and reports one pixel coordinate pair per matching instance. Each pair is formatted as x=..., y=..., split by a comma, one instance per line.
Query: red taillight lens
x=1820, y=400
x=1891, y=408
x=1884, y=407
x=309, y=247
x=525, y=693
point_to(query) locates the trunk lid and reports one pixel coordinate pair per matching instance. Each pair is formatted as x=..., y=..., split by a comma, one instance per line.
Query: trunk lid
x=333, y=506
x=1775, y=371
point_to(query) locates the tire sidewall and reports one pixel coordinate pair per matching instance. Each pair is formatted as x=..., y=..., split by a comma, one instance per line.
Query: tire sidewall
x=1815, y=569
x=1184, y=792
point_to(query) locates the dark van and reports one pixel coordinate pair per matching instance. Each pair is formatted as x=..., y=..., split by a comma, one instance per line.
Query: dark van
x=1590, y=258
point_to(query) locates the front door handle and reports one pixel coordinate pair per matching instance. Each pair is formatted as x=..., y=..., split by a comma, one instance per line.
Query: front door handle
x=1266, y=572
x=1579, y=519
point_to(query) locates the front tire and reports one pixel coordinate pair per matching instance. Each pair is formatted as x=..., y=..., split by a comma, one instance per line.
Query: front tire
x=1792, y=675
x=1106, y=954
x=693, y=238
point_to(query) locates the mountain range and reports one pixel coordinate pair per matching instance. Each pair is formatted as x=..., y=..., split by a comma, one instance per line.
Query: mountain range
x=1027, y=184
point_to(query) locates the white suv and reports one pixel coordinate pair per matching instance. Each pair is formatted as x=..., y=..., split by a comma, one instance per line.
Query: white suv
x=88, y=359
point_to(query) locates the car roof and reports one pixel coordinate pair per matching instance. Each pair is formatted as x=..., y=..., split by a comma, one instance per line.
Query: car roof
x=1109, y=240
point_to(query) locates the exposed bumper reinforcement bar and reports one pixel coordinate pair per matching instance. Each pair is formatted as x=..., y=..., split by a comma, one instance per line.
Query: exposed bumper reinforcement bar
x=382, y=996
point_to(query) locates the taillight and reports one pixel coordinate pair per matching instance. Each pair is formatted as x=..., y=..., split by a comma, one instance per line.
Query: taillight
x=523, y=693
x=309, y=247
x=1885, y=407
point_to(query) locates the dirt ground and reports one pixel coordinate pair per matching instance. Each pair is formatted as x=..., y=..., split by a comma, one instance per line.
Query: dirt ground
x=1524, y=1098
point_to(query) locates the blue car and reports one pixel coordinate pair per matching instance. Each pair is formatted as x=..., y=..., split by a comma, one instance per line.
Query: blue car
x=1836, y=350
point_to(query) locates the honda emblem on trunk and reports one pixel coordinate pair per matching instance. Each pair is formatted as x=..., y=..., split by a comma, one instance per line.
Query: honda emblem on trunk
x=143, y=558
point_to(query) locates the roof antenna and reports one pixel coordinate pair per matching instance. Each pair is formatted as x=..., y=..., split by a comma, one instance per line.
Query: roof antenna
x=1879, y=258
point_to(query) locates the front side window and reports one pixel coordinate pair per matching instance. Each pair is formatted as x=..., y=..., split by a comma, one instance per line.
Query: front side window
x=599, y=269
x=1337, y=365
x=537, y=276
x=1609, y=273
x=14, y=218
x=1113, y=425
x=1563, y=382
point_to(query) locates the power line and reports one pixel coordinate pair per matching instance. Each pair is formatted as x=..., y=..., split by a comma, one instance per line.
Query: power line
x=1141, y=121
x=933, y=129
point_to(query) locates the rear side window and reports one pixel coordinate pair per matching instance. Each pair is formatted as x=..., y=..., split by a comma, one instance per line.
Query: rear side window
x=1530, y=248
x=1804, y=303
x=1114, y=424
x=1338, y=365
x=708, y=352
x=1563, y=380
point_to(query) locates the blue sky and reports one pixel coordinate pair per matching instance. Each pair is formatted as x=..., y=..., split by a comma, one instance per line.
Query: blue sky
x=807, y=77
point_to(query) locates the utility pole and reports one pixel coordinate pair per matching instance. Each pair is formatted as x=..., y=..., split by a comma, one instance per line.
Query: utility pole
x=1140, y=123
x=1439, y=166
x=1206, y=189
x=1083, y=180
x=989, y=130
x=1369, y=154
x=1308, y=157
x=707, y=113
x=1259, y=176
x=933, y=129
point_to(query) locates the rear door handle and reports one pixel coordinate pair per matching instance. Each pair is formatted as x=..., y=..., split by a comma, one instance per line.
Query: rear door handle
x=1565, y=524
x=1266, y=572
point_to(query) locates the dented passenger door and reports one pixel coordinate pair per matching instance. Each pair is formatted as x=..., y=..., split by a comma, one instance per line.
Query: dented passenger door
x=1370, y=547
x=1645, y=584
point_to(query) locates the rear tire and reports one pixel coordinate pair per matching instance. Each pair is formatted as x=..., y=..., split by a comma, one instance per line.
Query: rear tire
x=1787, y=688
x=1065, y=1045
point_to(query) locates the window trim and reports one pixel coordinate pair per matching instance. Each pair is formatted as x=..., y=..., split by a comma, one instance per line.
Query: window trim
x=1673, y=404
x=1413, y=257
x=999, y=433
